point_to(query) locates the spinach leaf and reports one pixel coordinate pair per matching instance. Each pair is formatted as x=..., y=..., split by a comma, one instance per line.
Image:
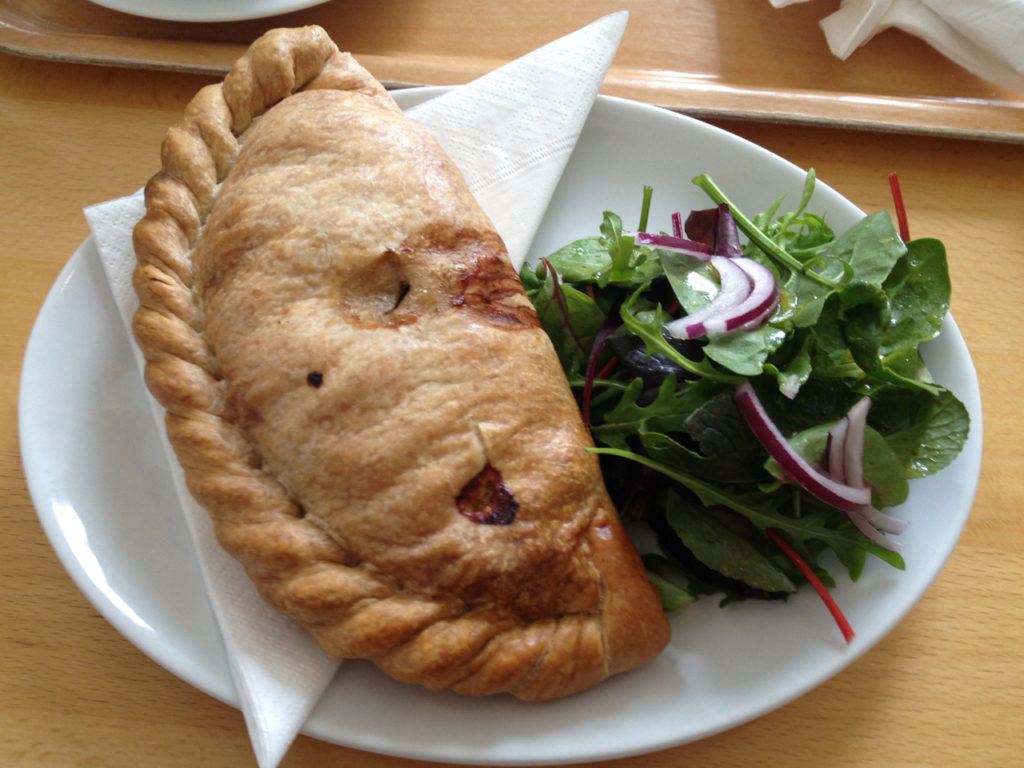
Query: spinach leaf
x=740, y=467
x=673, y=597
x=871, y=247
x=919, y=294
x=925, y=432
x=693, y=281
x=725, y=440
x=796, y=371
x=745, y=352
x=715, y=545
x=582, y=260
x=863, y=325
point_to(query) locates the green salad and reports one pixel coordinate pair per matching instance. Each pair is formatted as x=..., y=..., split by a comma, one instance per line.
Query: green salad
x=754, y=386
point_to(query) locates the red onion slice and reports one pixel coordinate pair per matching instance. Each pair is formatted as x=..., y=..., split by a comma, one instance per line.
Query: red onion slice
x=677, y=225
x=747, y=298
x=761, y=318
x=819, y=485
x=844, y=461
x=790, y=386
x=672, y=243
x=853, y=457
x=884, y=522
x=756, y=307
x=863, y=524
x=734, y=288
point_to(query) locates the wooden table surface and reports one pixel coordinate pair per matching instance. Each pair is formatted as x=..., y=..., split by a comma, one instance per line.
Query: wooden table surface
x=946, y=687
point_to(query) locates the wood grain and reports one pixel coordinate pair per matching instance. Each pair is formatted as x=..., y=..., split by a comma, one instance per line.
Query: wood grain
x=710, y=58
x=946, y=687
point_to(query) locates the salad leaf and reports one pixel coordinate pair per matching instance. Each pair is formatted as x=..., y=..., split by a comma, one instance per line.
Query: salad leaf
x=745, y=353
x=919, y=294
x=924, y=432
x=883, y=470
x=716, y=467
x=650, y=326
x=569, y=316
x=727, y=446
x=673, y=596
x=872, y=248
x=629, y=417
x=809, y=530
x=853, y=310
x=716, y=545
x=629, y=265
x=581, y=260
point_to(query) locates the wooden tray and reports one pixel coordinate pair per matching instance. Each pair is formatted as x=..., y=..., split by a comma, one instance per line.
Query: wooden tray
x=707, y=58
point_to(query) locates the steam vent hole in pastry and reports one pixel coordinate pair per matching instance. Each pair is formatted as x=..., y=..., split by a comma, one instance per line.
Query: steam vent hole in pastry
x=486, y=499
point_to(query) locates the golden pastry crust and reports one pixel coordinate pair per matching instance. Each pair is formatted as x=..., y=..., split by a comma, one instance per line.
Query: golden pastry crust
x=362, y=398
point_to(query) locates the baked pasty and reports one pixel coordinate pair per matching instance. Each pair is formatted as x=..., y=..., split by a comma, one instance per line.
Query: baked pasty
x=362, y=397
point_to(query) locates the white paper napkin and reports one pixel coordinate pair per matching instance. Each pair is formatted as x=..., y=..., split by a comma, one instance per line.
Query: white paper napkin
x=985, y=37
x=511, y=132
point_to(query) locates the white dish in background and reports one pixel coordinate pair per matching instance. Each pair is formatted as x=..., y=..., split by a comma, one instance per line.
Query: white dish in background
x=206, y=10
x=97, y=476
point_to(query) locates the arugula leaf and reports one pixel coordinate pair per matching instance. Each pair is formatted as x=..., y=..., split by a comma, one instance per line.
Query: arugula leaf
x=628, y=417
x=811, y=270
x=630, y=265
x=651, y=328
x=804, y=236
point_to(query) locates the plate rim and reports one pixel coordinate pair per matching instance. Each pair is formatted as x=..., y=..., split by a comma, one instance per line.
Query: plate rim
x=207, y=11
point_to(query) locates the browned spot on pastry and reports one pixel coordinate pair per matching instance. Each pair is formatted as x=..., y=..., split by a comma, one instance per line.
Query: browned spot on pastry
x=489, y=286
x=314, y=379
x=486, y=499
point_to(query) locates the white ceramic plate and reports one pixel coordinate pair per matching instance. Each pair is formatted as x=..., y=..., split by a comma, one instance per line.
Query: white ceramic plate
x=98, y=478
x=206, y=10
